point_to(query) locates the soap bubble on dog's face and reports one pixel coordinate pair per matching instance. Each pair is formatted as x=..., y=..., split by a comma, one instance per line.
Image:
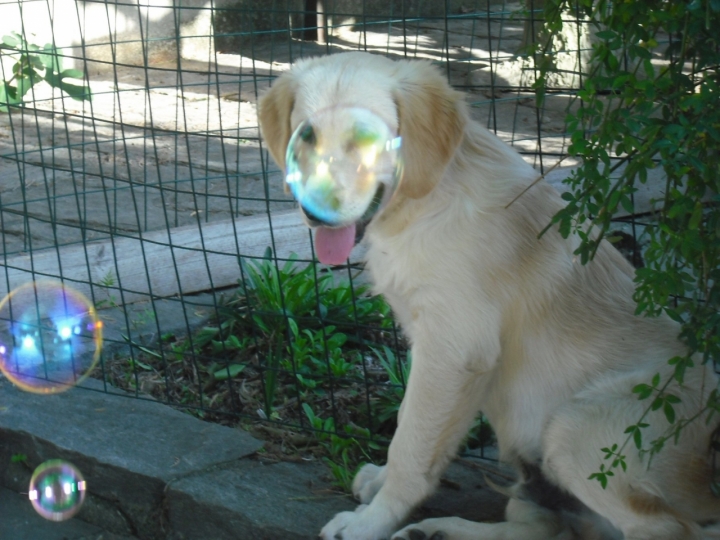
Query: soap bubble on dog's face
x=343, y=165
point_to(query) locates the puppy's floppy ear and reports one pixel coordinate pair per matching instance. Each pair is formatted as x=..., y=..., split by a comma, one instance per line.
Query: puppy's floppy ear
x=432, y=121
x=274, y=111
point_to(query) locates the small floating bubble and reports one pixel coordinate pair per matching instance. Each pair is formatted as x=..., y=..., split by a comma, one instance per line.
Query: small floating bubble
x=57, y=490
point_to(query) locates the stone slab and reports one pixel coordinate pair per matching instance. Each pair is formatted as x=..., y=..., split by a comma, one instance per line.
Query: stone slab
x=127, y=449
x=288, y=501
x=160, y=441
x=18, y=521
x=154, y=473
x=293, y=501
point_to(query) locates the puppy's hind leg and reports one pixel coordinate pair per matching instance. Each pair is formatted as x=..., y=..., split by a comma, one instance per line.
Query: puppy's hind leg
x=640, y=502
x=525, y=521
x=711, y=532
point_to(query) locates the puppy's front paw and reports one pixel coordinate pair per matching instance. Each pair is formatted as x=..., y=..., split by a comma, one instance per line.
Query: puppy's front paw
x=334, y=529
x=357, y=525
x=368, y=482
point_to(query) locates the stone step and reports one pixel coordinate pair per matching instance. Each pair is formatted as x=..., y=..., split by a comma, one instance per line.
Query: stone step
x=18, y=521
x=154, y=473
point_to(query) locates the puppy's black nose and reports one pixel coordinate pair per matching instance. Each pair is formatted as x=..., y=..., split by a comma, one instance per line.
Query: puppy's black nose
x=313, y=219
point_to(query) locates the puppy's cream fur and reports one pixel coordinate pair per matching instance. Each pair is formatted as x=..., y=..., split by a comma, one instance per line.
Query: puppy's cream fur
x=503, y=322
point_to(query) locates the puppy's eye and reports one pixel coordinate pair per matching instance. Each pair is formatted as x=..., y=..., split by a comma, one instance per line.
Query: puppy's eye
x=308, y=135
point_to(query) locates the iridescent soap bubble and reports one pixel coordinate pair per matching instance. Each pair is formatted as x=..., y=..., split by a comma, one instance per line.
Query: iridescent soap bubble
x=343, y=165
x=50, y=337
x=57, y=490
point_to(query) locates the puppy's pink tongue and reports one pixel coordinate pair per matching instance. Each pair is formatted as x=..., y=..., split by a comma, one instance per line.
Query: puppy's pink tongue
x=333, y=246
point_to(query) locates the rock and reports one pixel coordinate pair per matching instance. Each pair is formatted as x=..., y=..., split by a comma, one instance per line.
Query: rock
x=18, y=521
x=251, y=499
x=127, y=449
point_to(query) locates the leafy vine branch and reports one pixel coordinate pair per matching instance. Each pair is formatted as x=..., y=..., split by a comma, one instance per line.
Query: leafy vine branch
x=650, y=98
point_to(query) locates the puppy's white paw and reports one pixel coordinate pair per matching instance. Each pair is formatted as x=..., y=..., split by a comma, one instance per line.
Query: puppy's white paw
x=419, y=534
x=368, y=482
x=357, y=525
x=429, y=529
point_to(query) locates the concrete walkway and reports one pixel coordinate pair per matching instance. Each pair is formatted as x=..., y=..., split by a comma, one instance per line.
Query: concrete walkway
x=156, y=473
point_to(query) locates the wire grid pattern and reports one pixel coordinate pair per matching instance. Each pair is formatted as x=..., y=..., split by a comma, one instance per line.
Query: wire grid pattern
x=148, y=196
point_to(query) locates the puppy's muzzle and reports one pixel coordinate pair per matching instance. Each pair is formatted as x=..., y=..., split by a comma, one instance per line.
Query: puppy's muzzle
x=315, y=221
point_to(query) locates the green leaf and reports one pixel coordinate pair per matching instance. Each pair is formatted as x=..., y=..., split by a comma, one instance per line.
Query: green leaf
x=643, y=390
x=3, y=97
x=669, y=412
x=607, y=34
x=52, y=78
x=79, y=93
x=600, y=477
x=627, y=205
x=73, y=74
x=656, y=404
x=137, y=363
x=51, y=59
x=294, y=330
x=8, y=94
x=11, y=41
x=230, y=372
x=696, y=217
x=25, y=84
x=637, y=438
x=18, y=458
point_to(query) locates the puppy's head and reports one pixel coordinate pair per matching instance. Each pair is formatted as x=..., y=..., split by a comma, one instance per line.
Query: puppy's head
x=411, y=97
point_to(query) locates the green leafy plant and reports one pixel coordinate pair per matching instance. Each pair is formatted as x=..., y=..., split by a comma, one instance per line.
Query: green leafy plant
x=33, y=65
x=397, y=371
x=275, y=293
x=652, y=100
x=317, y=353
x=300, y=313
x=106, y=282
x=18, y=458
x=293, y=338
x=346, y=455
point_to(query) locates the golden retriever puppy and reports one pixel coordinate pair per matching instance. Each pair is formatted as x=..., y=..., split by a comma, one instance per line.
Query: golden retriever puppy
x=503, y=322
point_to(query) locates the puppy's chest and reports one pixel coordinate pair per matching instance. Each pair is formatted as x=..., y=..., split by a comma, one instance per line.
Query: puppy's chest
x=414, y=277
x=393, y=281
x=399, y=271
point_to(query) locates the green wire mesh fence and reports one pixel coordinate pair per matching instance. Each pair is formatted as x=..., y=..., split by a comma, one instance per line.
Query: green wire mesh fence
x=132, y=170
